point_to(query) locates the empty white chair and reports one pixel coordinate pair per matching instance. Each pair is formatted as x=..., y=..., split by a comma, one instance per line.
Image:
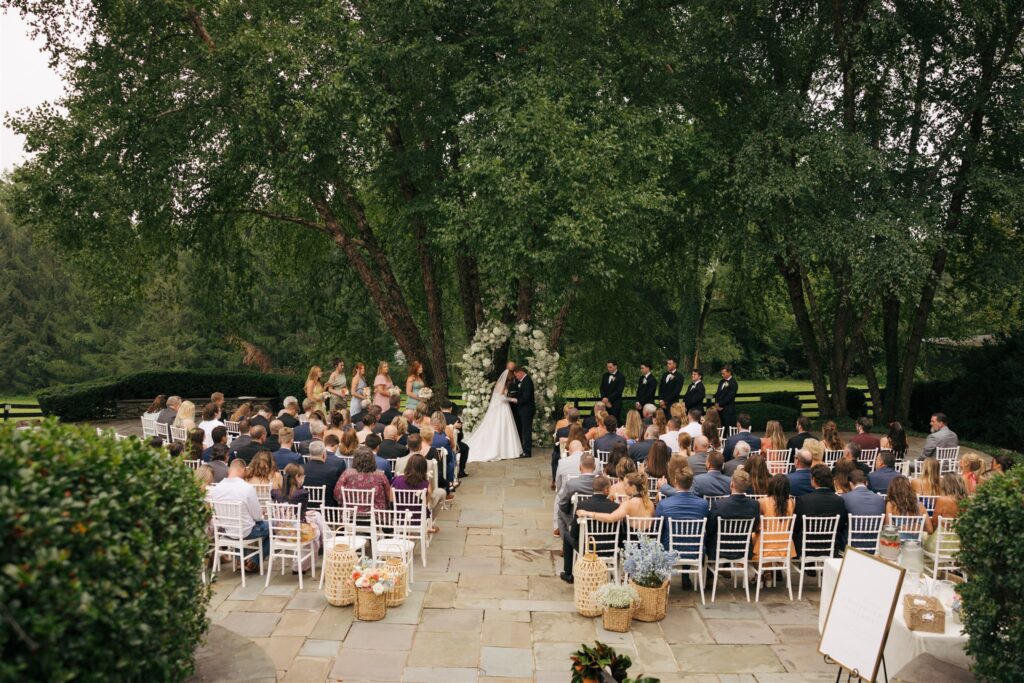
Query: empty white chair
x=415, y=502
x=732, y=551
x=340, y=528
x=148, y=428
x=864, y=530
x=178, y=434
x=229, y=538
x=316, y=495
x=867, y=457
x=773, y=545
x=947, y=548
x=686, y=537
x=911, y=527
x=832, y=456
x=193, y=464
x=817, y=544
x=286, y=542
x=948, y=459
x=638, y=528
x=601, y=457
x=606, y=542
x=390, y=537
x=232, y=428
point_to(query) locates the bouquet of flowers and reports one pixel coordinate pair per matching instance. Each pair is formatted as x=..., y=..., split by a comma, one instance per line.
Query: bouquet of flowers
x=647, y=563
x=426, y=393
x=616, y=595
x=394, y=390
x=366, y=577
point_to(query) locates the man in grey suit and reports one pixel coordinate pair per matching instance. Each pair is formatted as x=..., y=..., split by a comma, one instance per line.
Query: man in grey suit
x=941, y=437
x=699, y=460
x=860, y=500
x=739, y=457
x=167, y=415
x=583, y=484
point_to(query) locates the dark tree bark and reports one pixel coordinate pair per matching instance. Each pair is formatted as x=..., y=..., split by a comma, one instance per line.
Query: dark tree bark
x=702, y=320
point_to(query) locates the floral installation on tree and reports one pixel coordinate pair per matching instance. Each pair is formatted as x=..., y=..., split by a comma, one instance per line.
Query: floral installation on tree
x=477, y=362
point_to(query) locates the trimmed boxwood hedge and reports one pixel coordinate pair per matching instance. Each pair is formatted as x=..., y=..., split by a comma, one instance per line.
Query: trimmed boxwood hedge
x=103, y=543
x=761, y=413
x=98, y=399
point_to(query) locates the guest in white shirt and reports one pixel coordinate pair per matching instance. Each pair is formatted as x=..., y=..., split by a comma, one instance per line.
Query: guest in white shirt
x=235, y=489
x=211, y=419
x=671, y=435
x=693, y=426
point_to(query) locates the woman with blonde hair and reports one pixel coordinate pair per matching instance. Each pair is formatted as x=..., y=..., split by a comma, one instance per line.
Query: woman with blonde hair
x=314, y=389
x=382, y=386
x=830, y=436
x=244, y=410
x=953, y=494
x=930, y=481
x=970, y=466
x=678, y=411
x=623, y=468
x=817, y=450
x=204, y=475
x=660, y=421
x=634, y=427
x=263, y=470
x=774, y=438
x=358, y=390
x=402, y=426
x=599, y=414
x=186, y=416
x=638, y=504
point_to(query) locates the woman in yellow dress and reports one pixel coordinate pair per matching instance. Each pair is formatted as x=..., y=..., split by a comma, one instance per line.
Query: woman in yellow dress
x=314, y=389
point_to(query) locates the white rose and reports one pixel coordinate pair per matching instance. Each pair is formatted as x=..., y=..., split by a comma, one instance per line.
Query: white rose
x=378, y=589
x=537, y=334
x=522, y=327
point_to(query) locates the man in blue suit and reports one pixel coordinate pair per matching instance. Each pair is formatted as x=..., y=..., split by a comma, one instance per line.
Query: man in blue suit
x=737, y=506
x=878, y=481
x=743, y=435
x=860, y=500
x=800, y=478
x=681, y=505
x=712, y=482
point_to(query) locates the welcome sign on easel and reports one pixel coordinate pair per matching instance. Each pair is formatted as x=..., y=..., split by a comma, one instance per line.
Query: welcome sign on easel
x=860, y=614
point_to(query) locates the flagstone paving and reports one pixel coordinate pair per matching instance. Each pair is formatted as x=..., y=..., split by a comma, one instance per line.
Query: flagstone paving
x=489, y=606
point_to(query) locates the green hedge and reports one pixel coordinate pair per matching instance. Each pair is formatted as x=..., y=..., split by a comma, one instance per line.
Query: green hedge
x=761, y=413
x=98, y=399
x=788, y=399
x=103, y=543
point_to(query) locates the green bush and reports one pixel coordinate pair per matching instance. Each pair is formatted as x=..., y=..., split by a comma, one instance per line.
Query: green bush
x=856, y=403
x=992, y=555
x=103, y=544
x=98, y=399
x=761, y=413
x=788, y=399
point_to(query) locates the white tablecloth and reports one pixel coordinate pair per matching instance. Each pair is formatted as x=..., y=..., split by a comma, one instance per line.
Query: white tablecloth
x=903, y=645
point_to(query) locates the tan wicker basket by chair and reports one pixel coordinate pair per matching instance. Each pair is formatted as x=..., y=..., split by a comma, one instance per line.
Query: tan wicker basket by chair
x=400, y=573
x=653, y=602
x=589, y=574
x=370, y=606
x=618, y=619
x=338, y=588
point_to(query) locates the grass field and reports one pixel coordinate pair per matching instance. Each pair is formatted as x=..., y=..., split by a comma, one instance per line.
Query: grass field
x=746, y=385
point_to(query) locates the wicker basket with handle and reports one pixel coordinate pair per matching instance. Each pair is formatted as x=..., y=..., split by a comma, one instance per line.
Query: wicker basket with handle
x=400, y=573
x=338, y=588
x=589, y=574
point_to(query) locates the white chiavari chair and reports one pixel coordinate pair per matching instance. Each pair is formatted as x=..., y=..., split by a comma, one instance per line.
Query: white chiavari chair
x=817, y=544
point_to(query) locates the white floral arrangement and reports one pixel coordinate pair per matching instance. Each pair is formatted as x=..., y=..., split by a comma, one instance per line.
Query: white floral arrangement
x=616, y=595
x=425, y=393
x=394, y=390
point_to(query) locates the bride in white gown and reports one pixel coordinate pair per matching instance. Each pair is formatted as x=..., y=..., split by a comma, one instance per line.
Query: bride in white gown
x=496, y=437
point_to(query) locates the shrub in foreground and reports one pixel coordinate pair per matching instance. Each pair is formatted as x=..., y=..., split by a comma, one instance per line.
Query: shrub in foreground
x=102, y=547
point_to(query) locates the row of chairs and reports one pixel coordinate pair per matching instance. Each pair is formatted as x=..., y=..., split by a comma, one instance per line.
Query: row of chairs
x=734, y=538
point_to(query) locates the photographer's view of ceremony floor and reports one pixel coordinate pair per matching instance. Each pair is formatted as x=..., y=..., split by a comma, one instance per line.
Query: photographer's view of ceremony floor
x=489, y=606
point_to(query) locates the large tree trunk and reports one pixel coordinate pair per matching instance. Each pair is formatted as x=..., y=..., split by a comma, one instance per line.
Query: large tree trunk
x=562, y=317
x=869, y=373
x=890, y=342
x=702, y=321
x=469, y=294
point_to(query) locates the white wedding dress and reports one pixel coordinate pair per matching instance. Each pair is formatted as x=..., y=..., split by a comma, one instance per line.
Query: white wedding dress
x=496, y=437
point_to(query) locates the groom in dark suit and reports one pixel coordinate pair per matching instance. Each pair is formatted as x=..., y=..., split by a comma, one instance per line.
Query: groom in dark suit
x=523, y=408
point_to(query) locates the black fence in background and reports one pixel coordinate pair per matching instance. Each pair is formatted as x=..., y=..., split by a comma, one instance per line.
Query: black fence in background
x=22, y=411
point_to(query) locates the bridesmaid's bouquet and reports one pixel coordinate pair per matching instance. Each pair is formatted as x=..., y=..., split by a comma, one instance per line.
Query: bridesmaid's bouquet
x=394, y=390
x=426, y=393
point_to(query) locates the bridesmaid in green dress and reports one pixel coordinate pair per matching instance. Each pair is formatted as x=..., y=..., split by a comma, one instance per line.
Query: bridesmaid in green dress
x=337, y=385
x=413, y=383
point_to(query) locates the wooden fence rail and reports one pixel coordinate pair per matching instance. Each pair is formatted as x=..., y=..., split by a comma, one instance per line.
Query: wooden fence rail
x=21, y=411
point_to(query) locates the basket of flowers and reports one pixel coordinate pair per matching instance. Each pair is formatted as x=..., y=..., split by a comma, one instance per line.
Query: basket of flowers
x=649, y=567
x=372, y=585
x=618, y=601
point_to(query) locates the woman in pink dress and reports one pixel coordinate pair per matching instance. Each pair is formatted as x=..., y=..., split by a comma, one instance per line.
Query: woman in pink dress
x=382, y=386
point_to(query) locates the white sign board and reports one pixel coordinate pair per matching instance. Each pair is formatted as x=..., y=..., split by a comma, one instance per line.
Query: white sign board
x=858, y=619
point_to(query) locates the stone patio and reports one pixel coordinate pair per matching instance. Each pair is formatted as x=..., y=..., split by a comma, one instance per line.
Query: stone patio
x=489, y=606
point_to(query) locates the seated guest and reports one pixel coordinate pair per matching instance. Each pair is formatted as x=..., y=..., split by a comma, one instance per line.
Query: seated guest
x=262, y=418
x=656, y=464
x=443, y=443
x=378, y=426
x=712, y=482
x=583, y=484
x=970, y=469
x=568, y=466
x=800, y=478
x=389, y=415
x=638, y=504
x=243, y=438
x=402, y=429
x=410, y=419
x=709, y=430
x=339, y=424
x=878, y=481
x=740, y=453
x=865, y=439
x=234, y=489
x=289, y=415
x=699, y=459
x=331, y=442
x=304, y=432
x=194, y=446
x=641, y=448
x=803, y=432
x=204, y=475
x=257, y=437
x=154, y=442
x=822, y=501
x=954, y=493
x=368, y=422
x=211, y=420
x=168, y=414
x=263, y=470
x=816, y=449
x=414, y=478
x=220, y=436
x=941, y=436
x=273, y=442
x=895, y=441
x=737, y=506
x=243, y=411
x=284, y=456
x=454, y=423
x=901, y=500
x=841, y=474
x=364, y=475
x=217, y=398
x=757, y=468
x=176, y=450
x=623, y=468
x=852, y=452
x=776, y=503
x=830, y=436
x=774, y=438
x=684, y=504
x=316, y=433
x=619, y=452
x=744, y=436
x=598, y=502
x=383, y=464
x=155, y=408
x=692, y=426
x=349, y=443
x=634, y=430
x=418, y=444
x=861, y=500
x=186, y=416
x=572, y=417
x=930, y=481
x=323, y=471
x=685, y=444
x=309, y=408
x=671, y=435
x=291, y=490
x=608, y=438
x=390, y=449
x=219, y=461
x=647, y=414
x=591, y=421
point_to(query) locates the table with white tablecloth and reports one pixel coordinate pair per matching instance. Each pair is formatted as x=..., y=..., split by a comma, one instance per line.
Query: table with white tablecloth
x=903, y=645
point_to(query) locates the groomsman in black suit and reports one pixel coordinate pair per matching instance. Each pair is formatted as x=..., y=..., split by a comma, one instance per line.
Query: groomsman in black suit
x=671, y=385
x=694, y=397
x=612, y=384
x=523, y=407
x=725, y=397
x=646, y=387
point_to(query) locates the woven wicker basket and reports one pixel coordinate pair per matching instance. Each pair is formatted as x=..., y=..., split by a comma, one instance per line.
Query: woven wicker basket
x=400, y=573
x=338, y=588
x=371, y=607
x=589, y=574
x=618, y=619
x=653, y=602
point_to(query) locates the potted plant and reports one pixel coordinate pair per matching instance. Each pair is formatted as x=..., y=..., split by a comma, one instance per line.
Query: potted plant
x=602, y=664
x=649, y=567
x=371, y=584
x=618, y=602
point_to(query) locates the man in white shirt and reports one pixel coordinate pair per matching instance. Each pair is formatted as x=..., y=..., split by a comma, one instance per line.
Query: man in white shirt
x=211, y=420
x=693, y=426
x=235, y=489
x=671, y=435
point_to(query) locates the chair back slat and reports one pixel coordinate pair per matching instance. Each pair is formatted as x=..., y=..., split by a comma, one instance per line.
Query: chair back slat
x=864, y=530
x=819, y=535
x=911, y=527
x=686, y=537
x=775, y=536
x=638, y=528
x=832, y=455
x=734, y=537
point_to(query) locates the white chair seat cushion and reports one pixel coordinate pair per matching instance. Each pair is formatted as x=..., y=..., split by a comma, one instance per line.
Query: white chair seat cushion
x=393, y=546
x=353, y=542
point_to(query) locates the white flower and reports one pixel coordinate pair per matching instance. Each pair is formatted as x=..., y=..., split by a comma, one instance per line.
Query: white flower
x=522, y=327
x=378, y=589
